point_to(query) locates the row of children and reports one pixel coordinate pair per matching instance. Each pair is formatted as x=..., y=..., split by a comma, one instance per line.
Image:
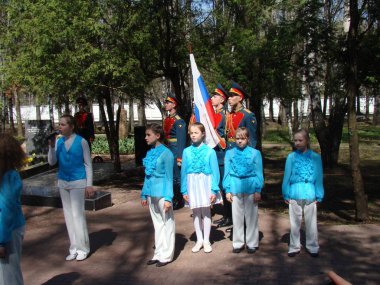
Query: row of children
x=242, y=181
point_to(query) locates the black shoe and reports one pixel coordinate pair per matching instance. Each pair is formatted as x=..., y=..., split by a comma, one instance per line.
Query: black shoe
x=218, y=221
x=229, y=230
x=314, y=254
x=177, y=204
x=152, y=261
x=293, y=254
x=227, y=222
x=251, y=250
x=237, y=250
x=160, y=264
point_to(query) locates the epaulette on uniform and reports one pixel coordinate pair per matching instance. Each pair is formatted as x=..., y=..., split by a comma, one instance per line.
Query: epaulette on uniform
x=177, y=117
x=248, y=111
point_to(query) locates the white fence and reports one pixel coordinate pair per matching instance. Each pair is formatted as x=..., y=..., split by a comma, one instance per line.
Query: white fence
x=152, y=112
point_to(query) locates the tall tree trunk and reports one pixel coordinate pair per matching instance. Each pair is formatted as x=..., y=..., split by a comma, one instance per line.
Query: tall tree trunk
x=376, y=107
x=105, y=123
x=271, y=113
x=113, y=131
x=18, y=112
x=361, y=200
x=141, y=111
x=367, y=102
x=51, y=110
x=131, y=116
x=281, y=115
x=38, y=113
x=301, y=113
x=10, y=114
x=358, y=104
x=295, y=116
x=288, y=118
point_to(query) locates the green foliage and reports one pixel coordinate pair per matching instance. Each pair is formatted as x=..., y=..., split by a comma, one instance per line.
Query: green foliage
x=100, y=145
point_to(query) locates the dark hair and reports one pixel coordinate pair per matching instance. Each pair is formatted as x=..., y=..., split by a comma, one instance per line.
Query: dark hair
x=71, y=121
x=305, y=134
x=82, y=100
x=12, y=156
x=243, y=131
x=199, y=125
x=157, y=130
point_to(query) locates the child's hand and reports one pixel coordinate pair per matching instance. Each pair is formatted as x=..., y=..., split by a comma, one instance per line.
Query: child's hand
x=256, y=197
x=186, y=198
x=3, y=252
x=144, y=203
x=51, y=142
x=212, y=198
x=229, y=197
x=89, y=191
x=167, y=206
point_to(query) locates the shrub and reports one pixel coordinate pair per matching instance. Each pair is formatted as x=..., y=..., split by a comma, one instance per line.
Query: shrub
x=100, y=145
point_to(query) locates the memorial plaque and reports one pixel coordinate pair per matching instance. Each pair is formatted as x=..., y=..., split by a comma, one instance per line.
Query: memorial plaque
x=36, y=132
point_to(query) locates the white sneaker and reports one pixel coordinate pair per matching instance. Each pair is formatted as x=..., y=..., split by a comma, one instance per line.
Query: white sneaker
x=207, y=247
x=197, y=247
x=71, y=257
x=81, y=256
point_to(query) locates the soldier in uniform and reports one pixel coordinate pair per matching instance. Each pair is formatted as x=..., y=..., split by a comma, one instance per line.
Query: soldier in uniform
x=239, y=117
x=218, y=100
x=84, y=121
x=175, y=133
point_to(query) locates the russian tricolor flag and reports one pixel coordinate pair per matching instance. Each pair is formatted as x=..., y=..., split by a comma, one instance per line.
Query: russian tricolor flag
x=203, y=110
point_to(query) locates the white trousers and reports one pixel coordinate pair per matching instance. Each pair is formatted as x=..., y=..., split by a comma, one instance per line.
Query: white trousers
x=202, y=224
x=75, y=217
x=244, y=207
x=164, y=230
x=296, y=207
x=10, y=270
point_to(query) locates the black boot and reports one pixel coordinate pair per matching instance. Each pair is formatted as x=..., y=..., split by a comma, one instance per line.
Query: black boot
x=226, y=223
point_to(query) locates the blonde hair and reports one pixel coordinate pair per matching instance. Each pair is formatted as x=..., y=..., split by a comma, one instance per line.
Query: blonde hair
x=305, y=134
x=242, y=132
x=200, y=126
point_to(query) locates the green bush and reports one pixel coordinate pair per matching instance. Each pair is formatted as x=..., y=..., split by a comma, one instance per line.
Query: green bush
x=100, y=145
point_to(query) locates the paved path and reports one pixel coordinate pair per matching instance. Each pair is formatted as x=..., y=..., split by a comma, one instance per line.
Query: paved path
x=122, y=241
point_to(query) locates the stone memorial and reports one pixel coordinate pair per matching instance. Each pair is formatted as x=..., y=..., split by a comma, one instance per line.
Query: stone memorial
x=36, y=132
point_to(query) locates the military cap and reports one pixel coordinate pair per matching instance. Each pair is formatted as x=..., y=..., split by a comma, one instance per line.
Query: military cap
x=219, y=90
x=237, y=90
x=170, y=97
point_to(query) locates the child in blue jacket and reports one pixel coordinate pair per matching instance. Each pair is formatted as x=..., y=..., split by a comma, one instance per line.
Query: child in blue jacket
x=200, y=184
x=12, y=221
x=302, y=189
x=243, y=181
x=158, y=193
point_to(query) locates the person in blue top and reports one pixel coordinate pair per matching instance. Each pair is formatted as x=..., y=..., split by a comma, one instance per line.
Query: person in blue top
x=200, y=184
x=302, y=189
x=243, y=180
x=12, y=221
x=72, y=153
x=158, y=193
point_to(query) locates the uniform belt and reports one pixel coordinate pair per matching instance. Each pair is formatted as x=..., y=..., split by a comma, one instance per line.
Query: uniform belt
x=172, y=140
x=231, y=139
